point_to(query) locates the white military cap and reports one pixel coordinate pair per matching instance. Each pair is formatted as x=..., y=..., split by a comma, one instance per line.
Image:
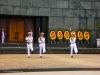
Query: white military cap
x=42, y=33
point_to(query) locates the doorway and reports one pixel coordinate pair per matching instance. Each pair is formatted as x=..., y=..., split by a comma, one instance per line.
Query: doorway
x=41, y=25
x=16, y=31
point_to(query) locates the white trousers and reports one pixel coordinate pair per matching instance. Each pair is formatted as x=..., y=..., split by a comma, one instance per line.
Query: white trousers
x=40, y=50
x=28, y=49
x=71, y=51
x=31, y=47
x=3, y=39
x=73, y=47
x=44, y=50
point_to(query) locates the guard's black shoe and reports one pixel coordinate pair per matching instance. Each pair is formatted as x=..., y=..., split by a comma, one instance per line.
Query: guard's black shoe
x=40, y=56
x=71, y=56
x=28, y=56
x=44, y=53
x=32, y=51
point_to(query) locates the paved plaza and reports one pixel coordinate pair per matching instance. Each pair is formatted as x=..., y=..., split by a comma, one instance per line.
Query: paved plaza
x=49, y=61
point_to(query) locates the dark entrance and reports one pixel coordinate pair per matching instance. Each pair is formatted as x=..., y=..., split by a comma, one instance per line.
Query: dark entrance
x=41, y=25
x=16, y=27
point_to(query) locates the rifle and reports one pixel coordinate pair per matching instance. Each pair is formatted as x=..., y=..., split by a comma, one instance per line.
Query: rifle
x=28, y=41
x=41, y=40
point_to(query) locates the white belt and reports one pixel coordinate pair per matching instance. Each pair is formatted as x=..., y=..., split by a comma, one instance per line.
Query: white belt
x=72, y=43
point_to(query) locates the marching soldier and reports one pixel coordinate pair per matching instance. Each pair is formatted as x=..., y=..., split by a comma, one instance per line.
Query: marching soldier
x=73, y=45
x=29, y=41
x=41, y=41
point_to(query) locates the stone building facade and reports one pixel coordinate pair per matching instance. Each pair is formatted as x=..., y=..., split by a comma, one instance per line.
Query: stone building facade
x=62, y=14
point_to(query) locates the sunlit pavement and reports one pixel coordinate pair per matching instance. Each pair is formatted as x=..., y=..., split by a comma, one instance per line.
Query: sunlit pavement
x=80, y=62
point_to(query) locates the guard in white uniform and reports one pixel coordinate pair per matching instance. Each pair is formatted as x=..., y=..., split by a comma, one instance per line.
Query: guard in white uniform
x=3, y=36
x=41, y=41
x=29, y=41
x=31, y=34
x=73, y=45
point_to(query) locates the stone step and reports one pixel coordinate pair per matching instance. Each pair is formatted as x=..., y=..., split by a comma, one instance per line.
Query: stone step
x=50, y=50
x=47, y=45
x=20, y=48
